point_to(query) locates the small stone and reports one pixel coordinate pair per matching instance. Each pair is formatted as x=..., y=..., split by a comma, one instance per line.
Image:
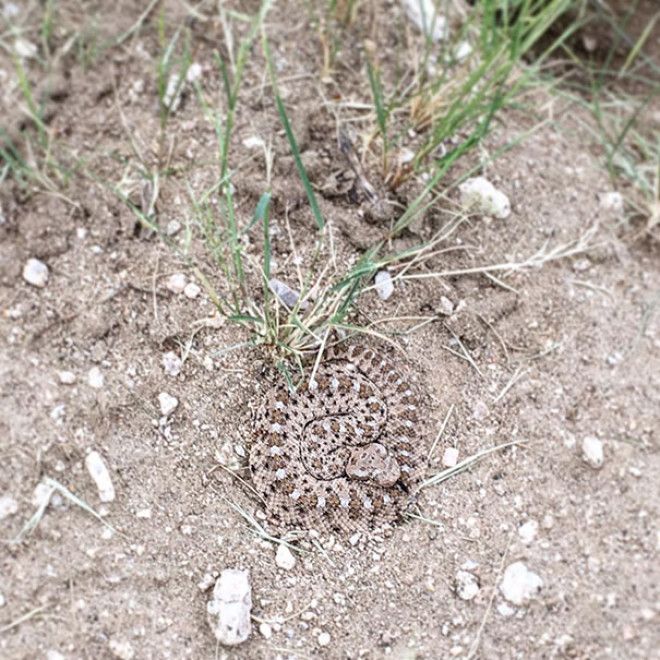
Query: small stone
x=581, y=265
x=324, y=639
x=548, y=521
x=42, y=495
x=527, y=531
x=99, y=472
x=253, y=142
x=121, y=649
x=519, y=584
x=206, y=582
x=168, y=403
x=611, y=201
x=479, y=194
x=505, y=609
x=176, y=283
x=446, y=307
x=172, y=363
x=25, y=49
x=467, y=585
x=191, y=290
x=229, y=608
x=8, y=506
x=450, y=457
x=95, y=378
x=592, y=452
x=143, y=513
x=426, y=18
x=480, y=411
x=286, y=294
x=284, y=558
x=173, y=228
x=384, y=284
x=36, y=273
x=66, y=377
x=266, y=630
x=52, y=654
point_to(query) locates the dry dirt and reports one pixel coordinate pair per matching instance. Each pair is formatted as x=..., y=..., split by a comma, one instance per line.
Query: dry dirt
x=581, y=334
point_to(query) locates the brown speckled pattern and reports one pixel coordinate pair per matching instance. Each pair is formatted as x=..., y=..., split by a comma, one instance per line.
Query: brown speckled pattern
x=343, y=454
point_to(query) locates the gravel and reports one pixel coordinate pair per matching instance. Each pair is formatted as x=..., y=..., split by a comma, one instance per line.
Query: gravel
x=168, y=403
x=98, y=471
x=450, y=457
x=519, y=584
x=229, y=608
x=95, y=378
x=176, y=283
x=481, y=196
x=284, y=558
x=467, y=585
x=592, y=452
x=527, y=531
x=36, y=273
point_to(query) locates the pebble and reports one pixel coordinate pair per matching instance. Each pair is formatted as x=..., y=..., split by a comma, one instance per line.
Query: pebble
x=95, y=378
x=229, y=608
x=41, y=495
x=592, y=452
x=480, y=195
x=66, y=377
x=527, y=531
x=266, y=630
x=324, y=639
x=450, y=457
x=206, y=582
x=384, y=284
x=191, y=290
x=8, y=506
x=446, y=307
x=285, y=293
x=611, y=201
x=519, y=584
x=284, y=558
x=176, y=283
x=25, y=49
x=36, y=273
x=52, y=654
x=120, y=648
x=173, y=227
x=467, y=585
x=3, y=601
x=172, y=363
x=98, y=471
x=426, y=18
x=168, y=403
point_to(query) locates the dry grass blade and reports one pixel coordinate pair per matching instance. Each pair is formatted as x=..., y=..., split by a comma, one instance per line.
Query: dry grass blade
x=465, y=464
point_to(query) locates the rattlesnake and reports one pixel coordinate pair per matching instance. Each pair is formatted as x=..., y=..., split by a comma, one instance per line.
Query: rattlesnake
x=343, y=451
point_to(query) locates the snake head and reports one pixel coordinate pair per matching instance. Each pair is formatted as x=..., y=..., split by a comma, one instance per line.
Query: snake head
x=373, y=462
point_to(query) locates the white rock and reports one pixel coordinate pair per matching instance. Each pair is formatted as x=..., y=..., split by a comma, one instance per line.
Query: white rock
x=98, y=471
x=95, y=378
x=480, y=195
x=3, y=602
x=8, y=506
x=426, y=18
x=10, y=10
x=173, y=227
x=121, y=649
x=527, y=531
x=52, y=654
x=194, y=72
x=191, y=290
x=519, y=584
x=384, y=284
x=229, y=608
x=176, y=283
x=462, y=50
x=253, y=142
x=206, y=582
x=592, y=452
x=168, y=403
x=446, y=306
x=25, y=48
x=266, y=630
x=42, y=494
x=505, y=609
x=324, y=639
x=66, y=377
x=612, y=201
x=284, y=558
x=172, y=363
x=467, y=585
x=450, y=457
x=285, y=293
x=35, y=272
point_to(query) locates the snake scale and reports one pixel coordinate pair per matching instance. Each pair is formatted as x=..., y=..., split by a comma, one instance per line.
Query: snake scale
x=343, y=451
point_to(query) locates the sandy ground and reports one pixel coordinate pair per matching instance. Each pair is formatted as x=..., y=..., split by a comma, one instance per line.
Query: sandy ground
x=570, y=350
